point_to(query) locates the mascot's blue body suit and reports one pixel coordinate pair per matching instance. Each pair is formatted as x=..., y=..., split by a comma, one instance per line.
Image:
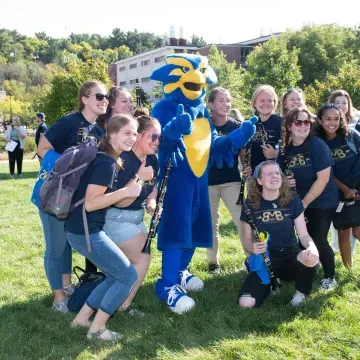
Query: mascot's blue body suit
x=191, y=143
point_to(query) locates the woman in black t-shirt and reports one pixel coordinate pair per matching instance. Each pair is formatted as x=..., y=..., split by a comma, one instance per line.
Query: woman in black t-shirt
x=96, y=186
x=309, y=160
x=124, y=221
x=275, y=213
x=68, y=131
x=344, y=145
x=224, y=182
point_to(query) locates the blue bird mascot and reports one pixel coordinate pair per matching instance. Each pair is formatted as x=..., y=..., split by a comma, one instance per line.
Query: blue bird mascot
x=191, y=143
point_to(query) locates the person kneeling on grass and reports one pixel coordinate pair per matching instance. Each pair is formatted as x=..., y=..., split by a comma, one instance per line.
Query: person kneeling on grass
x=275, y=211
x=96, y=186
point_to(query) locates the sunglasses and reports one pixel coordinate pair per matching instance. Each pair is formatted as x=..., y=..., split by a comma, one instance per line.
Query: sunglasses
x=100, y=97
x=154, y=137
x=298, y=123
x=331, y=105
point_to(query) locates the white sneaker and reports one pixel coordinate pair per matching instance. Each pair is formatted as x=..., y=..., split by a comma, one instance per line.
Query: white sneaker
x=328, y=284
x=178, y=301
x=190, y=282
x=298, y=299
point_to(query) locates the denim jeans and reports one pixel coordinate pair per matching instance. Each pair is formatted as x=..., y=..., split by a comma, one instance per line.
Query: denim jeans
x=121, y=276
x=58, y=257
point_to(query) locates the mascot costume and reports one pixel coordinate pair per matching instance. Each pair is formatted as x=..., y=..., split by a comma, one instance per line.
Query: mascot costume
x=190, y=144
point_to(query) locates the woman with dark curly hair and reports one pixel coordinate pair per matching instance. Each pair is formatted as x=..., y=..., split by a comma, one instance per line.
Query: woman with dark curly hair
x=344, y=145
x=310, y=162
x=276, y=213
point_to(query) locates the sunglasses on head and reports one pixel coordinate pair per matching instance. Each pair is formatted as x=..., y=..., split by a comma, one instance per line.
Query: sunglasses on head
x=154, y=137
x=331, y=105
x=291, y=89
x=298, y=123
x=100, y=97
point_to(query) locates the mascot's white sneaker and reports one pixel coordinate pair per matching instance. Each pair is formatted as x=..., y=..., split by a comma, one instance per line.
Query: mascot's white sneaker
x=178, y=301
x=190, y=282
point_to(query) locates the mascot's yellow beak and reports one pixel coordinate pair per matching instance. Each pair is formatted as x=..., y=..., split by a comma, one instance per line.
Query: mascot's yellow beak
x=191, y=82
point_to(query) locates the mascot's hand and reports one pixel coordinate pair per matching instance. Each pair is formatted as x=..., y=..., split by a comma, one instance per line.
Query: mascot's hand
x=179, y=126
x=183, y=121
x=240, y=137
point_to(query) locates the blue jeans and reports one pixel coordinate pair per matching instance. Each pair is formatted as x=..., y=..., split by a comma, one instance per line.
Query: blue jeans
x=58, y=257
x=121, y=276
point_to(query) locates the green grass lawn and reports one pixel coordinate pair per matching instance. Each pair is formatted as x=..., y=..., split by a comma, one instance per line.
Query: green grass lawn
x=327, y=327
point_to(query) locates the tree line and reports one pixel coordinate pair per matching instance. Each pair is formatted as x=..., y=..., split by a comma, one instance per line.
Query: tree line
x=42, y=73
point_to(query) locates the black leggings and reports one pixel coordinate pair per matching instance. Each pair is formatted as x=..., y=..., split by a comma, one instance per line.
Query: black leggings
x=16, y=155
x=319, y=221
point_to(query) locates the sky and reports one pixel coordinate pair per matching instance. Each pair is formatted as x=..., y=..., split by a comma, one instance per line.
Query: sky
x=220, y=22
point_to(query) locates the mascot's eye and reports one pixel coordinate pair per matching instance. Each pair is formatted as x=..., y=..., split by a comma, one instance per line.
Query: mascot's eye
x=185, y=69
x=203, y=70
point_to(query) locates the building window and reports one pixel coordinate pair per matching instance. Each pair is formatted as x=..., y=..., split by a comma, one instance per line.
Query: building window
x=159, y=59
x=145, y=62
x=133, y=82
x=145, y=80
x=122, y=83
x=133, y=66
x=122, y=68
x=245, y=51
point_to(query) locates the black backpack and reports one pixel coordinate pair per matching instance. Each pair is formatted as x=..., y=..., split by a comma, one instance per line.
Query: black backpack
x=88, y=281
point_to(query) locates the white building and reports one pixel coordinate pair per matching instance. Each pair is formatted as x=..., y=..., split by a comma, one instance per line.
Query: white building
x=138, y=68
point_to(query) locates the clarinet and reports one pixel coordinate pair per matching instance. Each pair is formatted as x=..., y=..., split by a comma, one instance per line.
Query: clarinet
x=247, y=159
x=287, y=171
x=157, y=214
x=274, y=285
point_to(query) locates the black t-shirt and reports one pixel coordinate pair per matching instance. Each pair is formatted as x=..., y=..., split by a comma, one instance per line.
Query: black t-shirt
x=306, y=165
x=273, y=128
x=226, y=174
x=65, y=132
x=42, y=128
x=131, y=164
x=347, y=162
x=277, y=221
x=102, y=171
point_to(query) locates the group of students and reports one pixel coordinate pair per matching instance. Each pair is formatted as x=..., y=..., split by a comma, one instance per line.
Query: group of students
x=121, y=183
x=115, y=186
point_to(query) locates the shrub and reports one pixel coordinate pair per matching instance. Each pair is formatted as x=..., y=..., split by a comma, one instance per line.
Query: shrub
x=29, y=144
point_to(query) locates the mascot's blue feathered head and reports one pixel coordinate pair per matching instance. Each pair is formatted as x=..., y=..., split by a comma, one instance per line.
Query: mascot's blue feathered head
x=185, y=77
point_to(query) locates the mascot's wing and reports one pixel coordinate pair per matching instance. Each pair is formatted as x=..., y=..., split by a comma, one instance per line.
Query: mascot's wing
x=226, y=147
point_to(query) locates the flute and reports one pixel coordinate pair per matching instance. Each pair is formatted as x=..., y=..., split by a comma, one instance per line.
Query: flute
x=274, y=285
x=157, y=213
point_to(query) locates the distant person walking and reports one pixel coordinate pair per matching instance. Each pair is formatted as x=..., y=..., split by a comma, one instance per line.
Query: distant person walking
x=16, y=133
x=41, y=130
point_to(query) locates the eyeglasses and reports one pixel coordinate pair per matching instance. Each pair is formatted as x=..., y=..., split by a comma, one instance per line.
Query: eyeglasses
x=154, y=137
x=298, y=123
x=100, y=97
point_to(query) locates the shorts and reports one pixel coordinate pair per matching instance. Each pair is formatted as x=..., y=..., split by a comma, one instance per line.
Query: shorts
x=121, y=225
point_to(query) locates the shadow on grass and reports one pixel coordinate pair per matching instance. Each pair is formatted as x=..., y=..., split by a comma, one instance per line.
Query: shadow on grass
x=31, y=328
x=25, y=175
x=227, y=229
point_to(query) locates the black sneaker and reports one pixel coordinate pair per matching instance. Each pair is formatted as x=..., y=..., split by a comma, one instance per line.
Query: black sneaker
x=214, y=269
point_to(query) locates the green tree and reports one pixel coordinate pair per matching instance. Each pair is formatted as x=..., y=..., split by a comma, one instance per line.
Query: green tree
x=272, y=63
x=348, y=79
x=62, y=97
x=197, y=41
x=229, y=77
x=322, y=50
